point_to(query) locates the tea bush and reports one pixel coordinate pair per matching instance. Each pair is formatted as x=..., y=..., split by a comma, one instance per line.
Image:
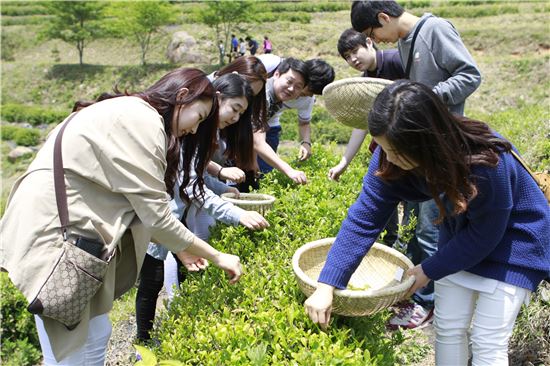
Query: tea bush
x=34, y=115
x=324, y=128
x=298, y=17
x=8, y=132
x=474, y=11
x=20, y=135
x=19, y=338
x=27, y=136
x=261, y=320
x=24, y=20
x=23, y=8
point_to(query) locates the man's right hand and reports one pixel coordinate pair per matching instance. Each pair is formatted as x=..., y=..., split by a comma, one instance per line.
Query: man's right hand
x=297, y=176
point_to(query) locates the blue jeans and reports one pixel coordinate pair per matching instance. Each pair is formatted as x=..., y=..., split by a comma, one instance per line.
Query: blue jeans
x=272, y=137
x=424, y=243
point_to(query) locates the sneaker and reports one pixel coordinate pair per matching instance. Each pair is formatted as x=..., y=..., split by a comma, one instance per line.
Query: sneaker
x=410, y=315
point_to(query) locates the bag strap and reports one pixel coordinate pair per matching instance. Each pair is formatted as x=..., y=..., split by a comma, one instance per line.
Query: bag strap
x=59, y=180
x=522, y=162
x=541, y=182
x=411, y=50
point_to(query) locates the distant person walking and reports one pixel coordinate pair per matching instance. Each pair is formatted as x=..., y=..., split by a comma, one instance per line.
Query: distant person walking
x=234, y=52
x=234, y=43
x=252, y=45
x=221, y=49
x=267, y=45
x=242, y=47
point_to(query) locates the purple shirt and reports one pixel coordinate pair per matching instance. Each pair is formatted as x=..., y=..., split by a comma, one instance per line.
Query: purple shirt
x=388, y=66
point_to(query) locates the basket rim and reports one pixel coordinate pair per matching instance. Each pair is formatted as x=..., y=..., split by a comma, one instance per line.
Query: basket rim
x=355, y=80
x=264, y=199
x=402, y=287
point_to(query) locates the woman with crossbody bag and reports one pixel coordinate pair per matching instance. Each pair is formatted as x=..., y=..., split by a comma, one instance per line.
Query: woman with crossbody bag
x=120, y=156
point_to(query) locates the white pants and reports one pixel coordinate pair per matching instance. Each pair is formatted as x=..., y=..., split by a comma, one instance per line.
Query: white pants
x=171, y=282
x=491, y=316
x=93, y=351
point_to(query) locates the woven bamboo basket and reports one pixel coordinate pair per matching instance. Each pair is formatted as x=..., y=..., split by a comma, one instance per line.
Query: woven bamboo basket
x=376, y=273
x=259, y=202
x=350, y=100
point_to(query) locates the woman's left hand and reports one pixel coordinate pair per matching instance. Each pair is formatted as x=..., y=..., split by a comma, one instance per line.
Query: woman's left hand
x=421, y=280
x=233, y=174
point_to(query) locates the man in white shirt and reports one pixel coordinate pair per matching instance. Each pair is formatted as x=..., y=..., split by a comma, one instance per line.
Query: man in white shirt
x=282, y=93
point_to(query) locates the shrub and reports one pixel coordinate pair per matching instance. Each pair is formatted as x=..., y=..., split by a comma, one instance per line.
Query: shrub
x=34, y=115
x=9, y=47
x=324, y=129
x=410, y=4
x=20, y=344
x=8, y=132
x=23, y=8
x=27, y=136
x=310, y=7
x=474, y=11
x=20, y=135
x=261, y=320
x=25, y=20
x=298, y=17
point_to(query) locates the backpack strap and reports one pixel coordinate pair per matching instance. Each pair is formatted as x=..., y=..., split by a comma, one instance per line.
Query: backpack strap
x=411, y=50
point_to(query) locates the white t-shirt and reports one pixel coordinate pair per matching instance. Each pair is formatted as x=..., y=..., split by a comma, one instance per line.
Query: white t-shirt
x=304, y=106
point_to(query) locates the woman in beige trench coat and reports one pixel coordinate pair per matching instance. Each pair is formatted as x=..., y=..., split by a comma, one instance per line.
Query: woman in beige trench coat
x=121, y=158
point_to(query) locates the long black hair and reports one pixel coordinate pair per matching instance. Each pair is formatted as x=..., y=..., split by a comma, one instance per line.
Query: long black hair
x=421, y=129
x=238, y=136
x=197, y=149
x=252, y=69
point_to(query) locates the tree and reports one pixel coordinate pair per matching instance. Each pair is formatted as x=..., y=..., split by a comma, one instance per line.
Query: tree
x=142, y=20
x=223, y=15
x=75, y=22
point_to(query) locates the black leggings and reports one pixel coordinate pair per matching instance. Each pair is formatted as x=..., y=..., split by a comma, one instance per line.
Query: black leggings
x=151, y=280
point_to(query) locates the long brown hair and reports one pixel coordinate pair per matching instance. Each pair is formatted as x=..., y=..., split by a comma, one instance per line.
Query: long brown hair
x=252, y=69
x=196, y=149
x=421, y=129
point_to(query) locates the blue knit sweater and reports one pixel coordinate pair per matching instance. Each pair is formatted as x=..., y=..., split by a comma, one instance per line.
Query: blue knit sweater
x=504, y=234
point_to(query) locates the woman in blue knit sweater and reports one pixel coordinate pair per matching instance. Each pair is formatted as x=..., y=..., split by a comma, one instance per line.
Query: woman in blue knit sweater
x=494, y=244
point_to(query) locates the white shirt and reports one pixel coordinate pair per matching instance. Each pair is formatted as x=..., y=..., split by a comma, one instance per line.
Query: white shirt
x=304, y=106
